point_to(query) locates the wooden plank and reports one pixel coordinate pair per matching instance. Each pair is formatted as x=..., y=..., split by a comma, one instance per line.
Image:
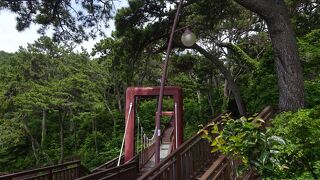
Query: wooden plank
x=219, y=173
x=39, y=170
x=215, y=165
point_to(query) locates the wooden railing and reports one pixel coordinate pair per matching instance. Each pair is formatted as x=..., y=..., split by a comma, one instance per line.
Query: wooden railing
x=145, y=155
x=189, y=160
x=220, y=169
x=110, y=164
x=185, y=162
x=67, y=171
x=127, y=171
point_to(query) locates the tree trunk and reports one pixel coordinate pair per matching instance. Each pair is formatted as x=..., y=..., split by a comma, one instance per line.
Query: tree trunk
x=34, y=143
x=215, y=81
x=118, y=99
x=94, y=131
x=61, y=125
x=288, y=65
x=210, y=103
x=232, y=85
x=44, y=127
x=112, y=116
x=226, y=89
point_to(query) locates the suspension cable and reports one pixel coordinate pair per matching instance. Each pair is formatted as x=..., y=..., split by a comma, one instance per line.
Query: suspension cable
x=145, y=140
x=125, y=132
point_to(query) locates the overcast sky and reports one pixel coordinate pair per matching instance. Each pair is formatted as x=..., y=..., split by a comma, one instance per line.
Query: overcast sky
x=11, y=39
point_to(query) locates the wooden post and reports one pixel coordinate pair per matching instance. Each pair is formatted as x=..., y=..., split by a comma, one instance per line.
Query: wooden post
x=178, y=167
x=50, y=174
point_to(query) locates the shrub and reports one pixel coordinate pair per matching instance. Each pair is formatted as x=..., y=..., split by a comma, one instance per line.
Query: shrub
x=312, y=92
x=244, y=140
x=289, y=149
x=301, y=130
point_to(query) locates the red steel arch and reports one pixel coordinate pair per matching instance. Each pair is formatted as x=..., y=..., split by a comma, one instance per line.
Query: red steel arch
x=131, y=93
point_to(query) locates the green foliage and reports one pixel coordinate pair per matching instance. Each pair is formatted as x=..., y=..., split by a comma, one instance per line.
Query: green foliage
x=312, y=92
x=301, y=132
x=310, y=53
x=259, y=88
x=244, y=140
x=41, y=84
x=11, y=133
x=50, y=83
x=92, y=158
x=286, y=150
x=69, y=20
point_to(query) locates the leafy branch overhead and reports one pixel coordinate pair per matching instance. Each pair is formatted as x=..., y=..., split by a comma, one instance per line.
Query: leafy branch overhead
x=69, y=19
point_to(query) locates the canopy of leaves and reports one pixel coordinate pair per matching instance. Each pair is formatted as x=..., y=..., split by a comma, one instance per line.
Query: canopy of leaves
x=70, y=20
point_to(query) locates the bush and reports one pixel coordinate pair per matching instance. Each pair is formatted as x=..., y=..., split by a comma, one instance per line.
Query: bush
x=301, y=130
x=244, y=140
x=312, y=92
x=289, y=149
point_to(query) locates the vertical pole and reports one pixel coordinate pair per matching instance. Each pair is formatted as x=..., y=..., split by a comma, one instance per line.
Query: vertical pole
x=180, y=117
x=176, y=125
x=163, y=79
x=50, y=174
x=129, y=127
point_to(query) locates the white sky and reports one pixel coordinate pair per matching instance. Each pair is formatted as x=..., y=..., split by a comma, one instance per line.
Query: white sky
x=11, y=39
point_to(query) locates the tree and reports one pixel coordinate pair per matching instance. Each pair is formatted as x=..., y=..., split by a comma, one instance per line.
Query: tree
x=288, y=66
x=54, y=96
x=70, y=20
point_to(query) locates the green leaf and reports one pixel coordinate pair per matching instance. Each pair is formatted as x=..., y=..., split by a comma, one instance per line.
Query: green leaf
x=214, y=149
x=276, y=139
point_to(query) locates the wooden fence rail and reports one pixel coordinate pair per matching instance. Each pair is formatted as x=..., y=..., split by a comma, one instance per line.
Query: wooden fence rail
x=185, y=162
x=66, y=171
x=190, y=159
x=127, y=171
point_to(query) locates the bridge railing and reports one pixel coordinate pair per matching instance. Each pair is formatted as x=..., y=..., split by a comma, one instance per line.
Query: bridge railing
x=185, y=162
x=67, y=171
x=110, y=164
x=145, y=155
x=189, y=160
x=126, y=171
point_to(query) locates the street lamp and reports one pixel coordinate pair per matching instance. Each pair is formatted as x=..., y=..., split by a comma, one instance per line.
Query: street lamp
x=188, y=39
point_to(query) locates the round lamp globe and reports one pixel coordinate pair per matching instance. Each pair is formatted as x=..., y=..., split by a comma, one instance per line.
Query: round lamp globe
x=188, y=38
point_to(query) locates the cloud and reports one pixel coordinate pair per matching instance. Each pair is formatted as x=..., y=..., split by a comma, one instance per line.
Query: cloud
x=10, y=38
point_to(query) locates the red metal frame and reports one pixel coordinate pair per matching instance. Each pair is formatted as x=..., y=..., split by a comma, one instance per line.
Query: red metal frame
x=131, y=93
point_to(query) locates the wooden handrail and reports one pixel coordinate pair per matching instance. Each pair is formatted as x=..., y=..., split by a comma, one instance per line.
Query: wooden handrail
x=49, y=171
x=107, y=172
x=32, y=171
x=212, y=170
x=181, y=163
x=112, y=163
x=266, y=113
x=176, y=156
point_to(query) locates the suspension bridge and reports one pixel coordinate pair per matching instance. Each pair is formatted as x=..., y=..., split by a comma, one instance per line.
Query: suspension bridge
x=178, y=160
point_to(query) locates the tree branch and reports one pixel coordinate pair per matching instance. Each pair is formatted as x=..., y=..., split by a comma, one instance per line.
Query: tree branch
x=227, y=75
x=241, y=54
x=261, y=7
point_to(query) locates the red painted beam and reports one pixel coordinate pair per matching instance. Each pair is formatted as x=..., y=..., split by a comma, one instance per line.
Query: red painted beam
x=131, y=93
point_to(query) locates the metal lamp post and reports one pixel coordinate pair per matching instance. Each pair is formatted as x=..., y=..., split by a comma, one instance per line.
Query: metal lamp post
x=187, y=38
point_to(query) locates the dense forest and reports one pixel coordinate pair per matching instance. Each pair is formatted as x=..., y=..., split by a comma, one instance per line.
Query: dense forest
x=59, y=104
